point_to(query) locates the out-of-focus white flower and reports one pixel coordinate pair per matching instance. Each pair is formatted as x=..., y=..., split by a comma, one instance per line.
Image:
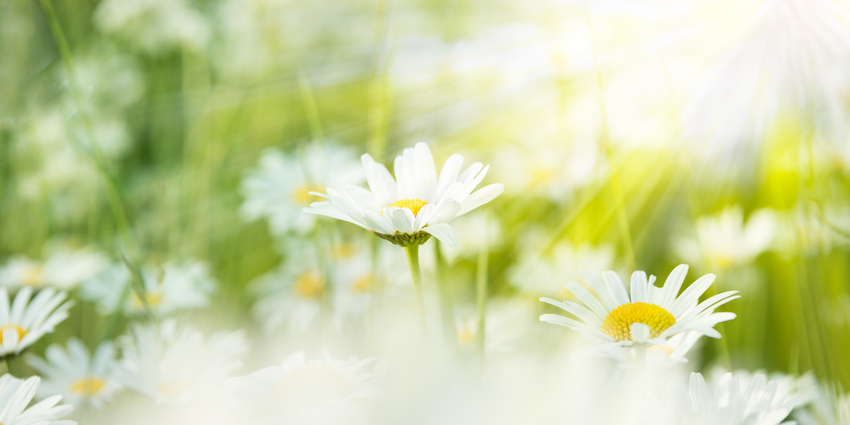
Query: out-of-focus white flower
x=16, y=394
x=23, y=322
x=730, y=400
x=291, y=295
x=474, y=231
x=814, y=231
x=80, y=377
x=505, y=324
x=828, y=405
x=173, y=287
x=533, y=272
x=301, y=391
x=62, y=269
x=153, y=26
x=280, y=187
x=725, y=240
x=416, y=204
x=647, y=315
x=172, y=363
x=782, y=55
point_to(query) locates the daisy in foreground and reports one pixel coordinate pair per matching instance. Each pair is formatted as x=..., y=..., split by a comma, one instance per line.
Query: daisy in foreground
x=415, y=205
x=324, y=391
x=22, y=324
x=648, y=316
x=16, y=394
x=75, y=374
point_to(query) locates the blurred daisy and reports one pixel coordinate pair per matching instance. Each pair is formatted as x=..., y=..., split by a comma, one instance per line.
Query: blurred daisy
x=416, y=204
x=325, y=391
x=25, y=321
x=827, y=406
x=503, y=329
x=74, y=373
x=647, y=316
x=533, y=270
x=168, y=289
x=153, y=26
x=280, y=187
x=62, y=269
x=731, y=400
x=725, y=240
x=172, y=363
x=16, y=394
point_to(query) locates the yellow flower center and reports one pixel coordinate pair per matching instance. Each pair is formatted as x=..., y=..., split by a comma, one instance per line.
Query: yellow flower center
x=309, y=285
x=619, y=321
x=311, y=385
x=722, y=259
x=413, y=204
x=364, y=284
x=466, y=335
x=342, y=251
x=87, y=386
x=152, y=299
x=33, y=276
x=301, y=195
x=21, y=331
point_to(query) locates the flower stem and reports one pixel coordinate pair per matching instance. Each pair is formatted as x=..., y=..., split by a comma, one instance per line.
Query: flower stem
x=416, y=276
x=9, y=366
x=447, y=314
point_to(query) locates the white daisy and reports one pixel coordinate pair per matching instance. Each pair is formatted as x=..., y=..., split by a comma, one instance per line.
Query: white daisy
x=731, y=400
x=280, y=187
x=24, y=322
x=534, y=269
x=324, y=391
x=16, y=394
x=725, y=240
x=172, y=363
x=828, y=405
x=173, y=287
x=154, y=26
x=62, y=269
x=74, y=373
x=647, y=316
x=416, y=204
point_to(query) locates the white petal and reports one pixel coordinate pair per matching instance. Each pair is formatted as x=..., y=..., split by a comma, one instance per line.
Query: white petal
x=443, y=232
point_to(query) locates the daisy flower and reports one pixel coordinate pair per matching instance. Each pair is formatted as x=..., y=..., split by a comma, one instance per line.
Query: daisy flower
x=726, y=240
x=280, y=187
x=73, y=372
x=177, y=364
x=533, y=268
x=173, y=287
x=25, y=321
x=307, y=391
x=731, y=400
x=416, y=204
x=828, y=405
x=62, y=269
x=647, y=316
x=16, y=394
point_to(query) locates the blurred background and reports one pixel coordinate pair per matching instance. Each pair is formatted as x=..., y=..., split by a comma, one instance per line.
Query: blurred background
x=629, y=136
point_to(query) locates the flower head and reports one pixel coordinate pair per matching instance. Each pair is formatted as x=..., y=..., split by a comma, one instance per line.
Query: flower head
x=416, y=204
x=23, y=322
x=76, y=374
x=647, y=315
x=16, y=394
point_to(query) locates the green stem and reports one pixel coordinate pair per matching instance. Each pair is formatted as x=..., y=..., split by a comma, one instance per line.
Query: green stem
x=481, y=294
x=9, y=366
x=416, y=276
x=447, y=314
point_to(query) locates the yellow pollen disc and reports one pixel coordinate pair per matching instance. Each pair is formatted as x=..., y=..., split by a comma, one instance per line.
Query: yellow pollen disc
x=301, y=195
x=152, y=299
x=413, y=204
x=309, y=285
x=619, y=321
x=364, y=284
x=34, y=276
x=87, y=386
x=21, y=331
x=722, y=259
x=466, y=335
x=311, y=385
